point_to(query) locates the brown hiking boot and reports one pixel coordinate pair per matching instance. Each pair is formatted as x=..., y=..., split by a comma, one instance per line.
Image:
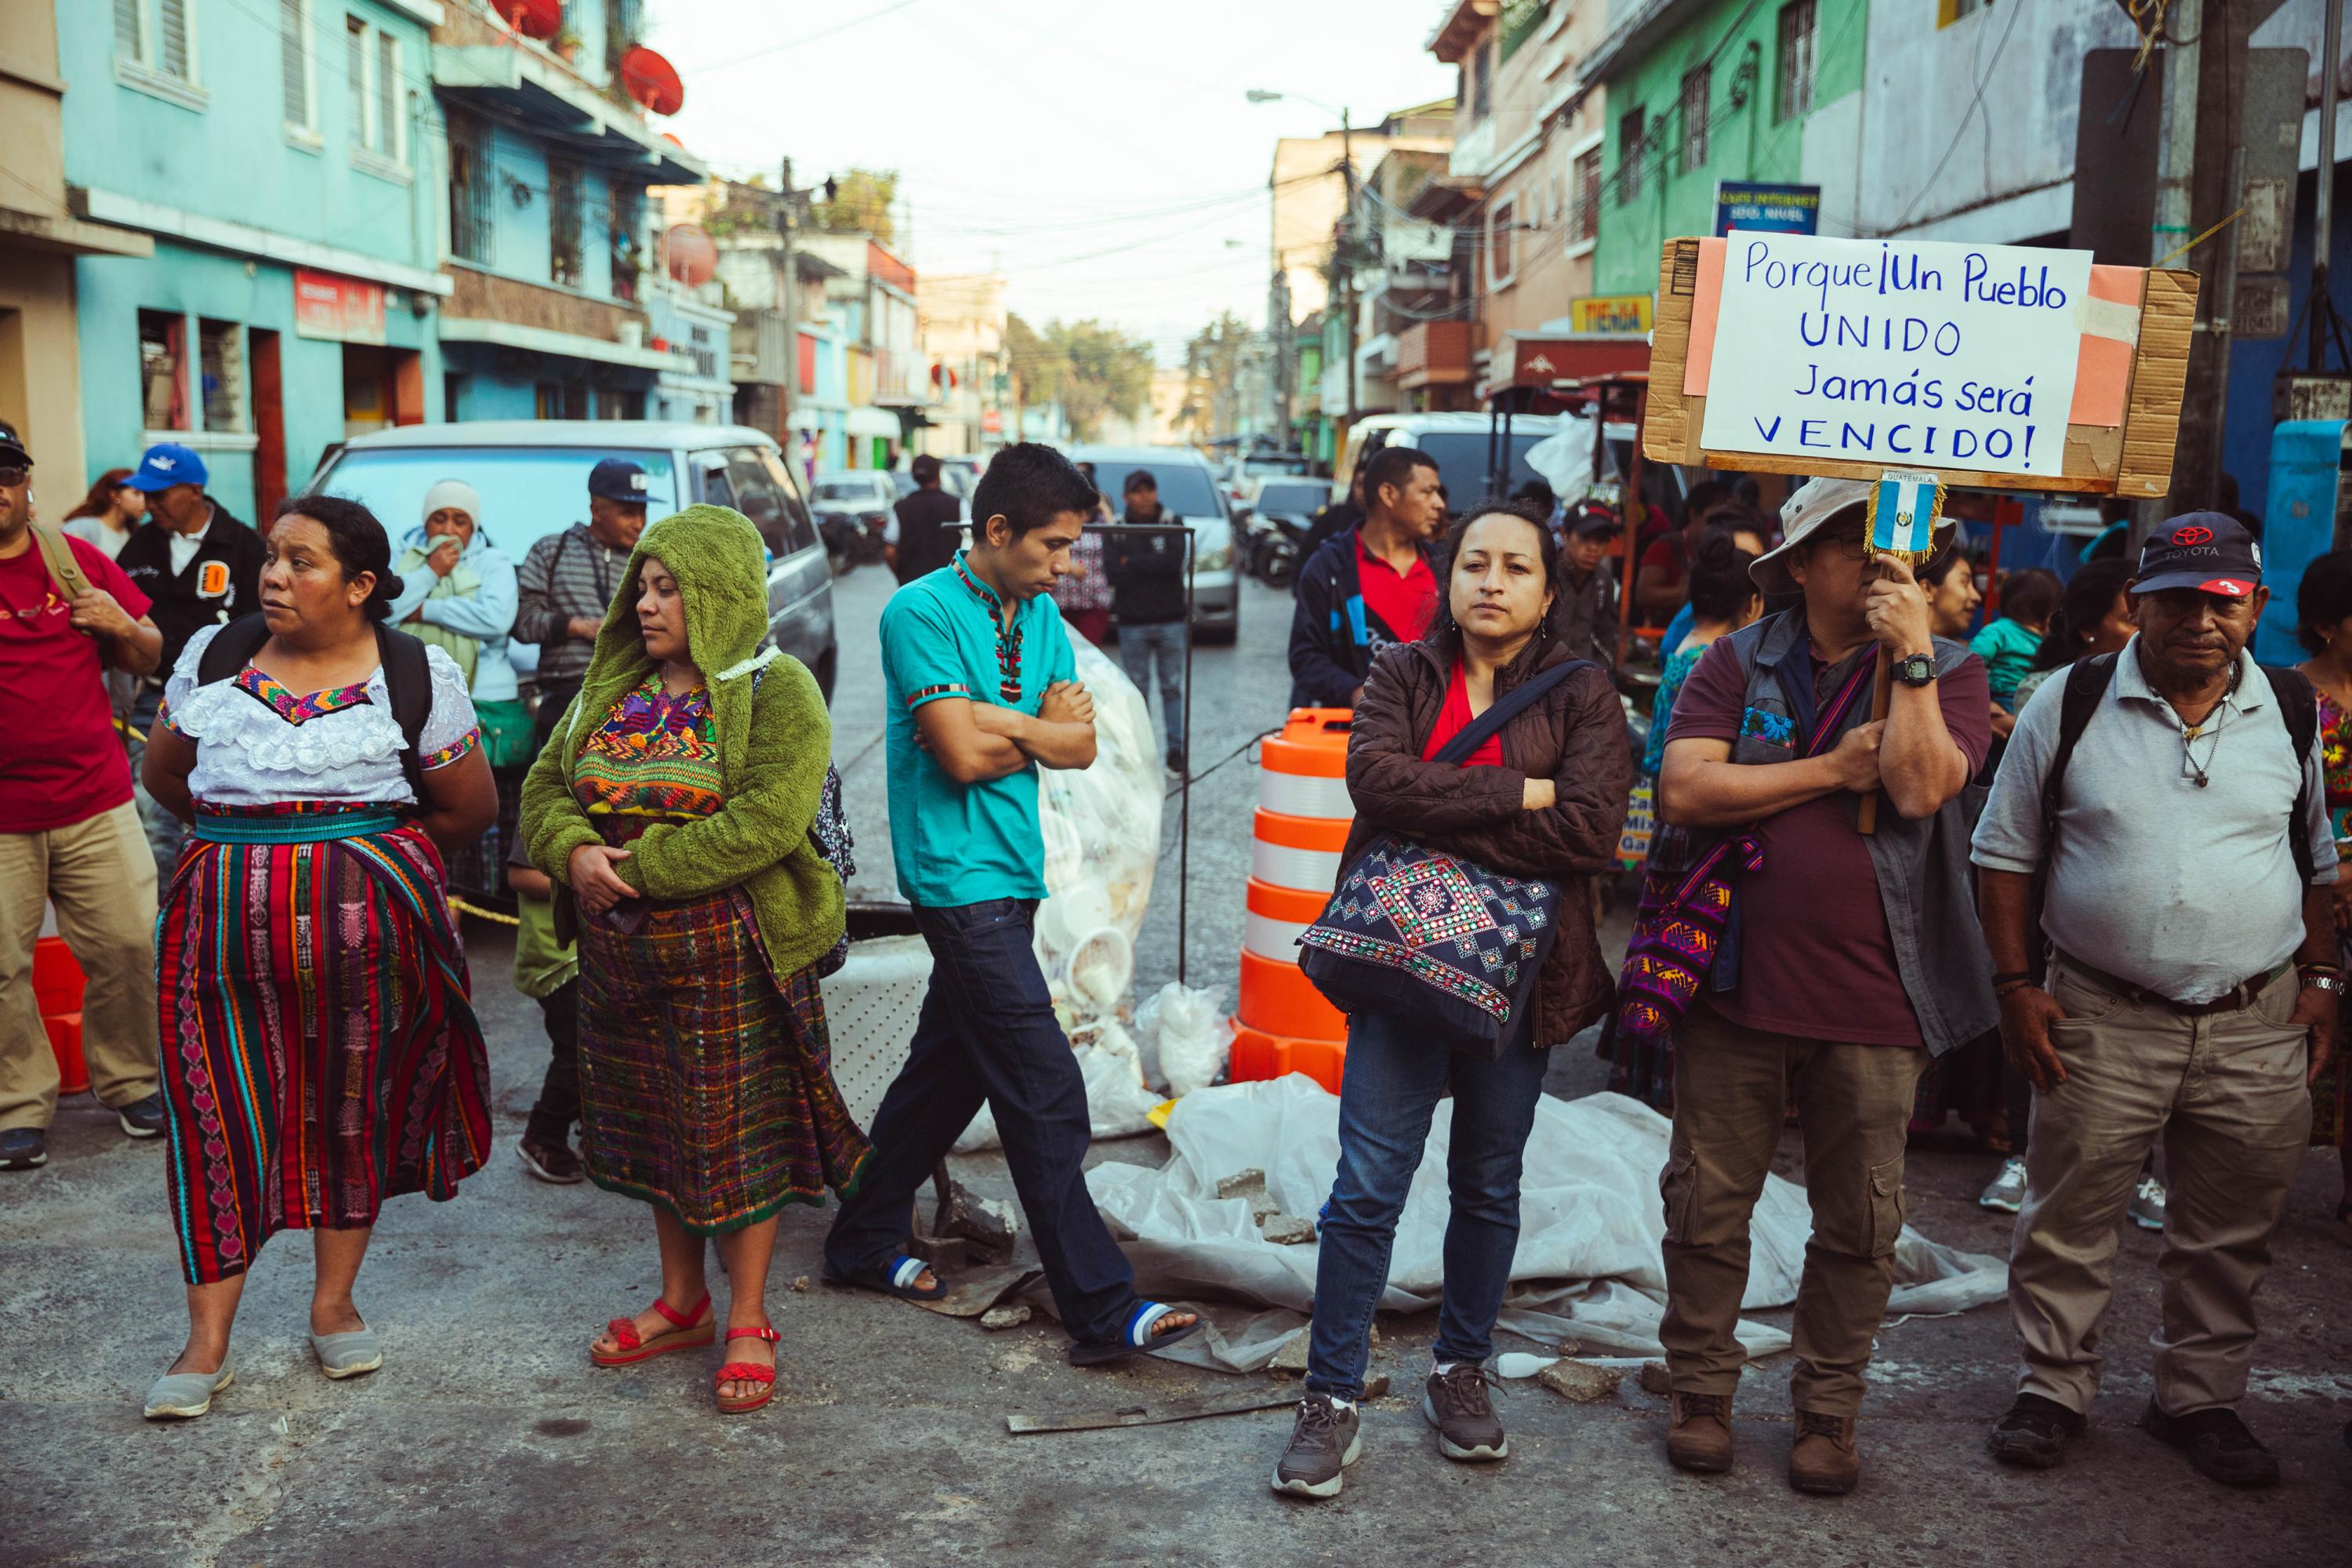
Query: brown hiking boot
x=1825, y=1459
x=1700, y=1437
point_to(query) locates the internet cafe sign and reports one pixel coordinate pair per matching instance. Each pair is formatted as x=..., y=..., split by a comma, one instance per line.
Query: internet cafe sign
x=1912, y=354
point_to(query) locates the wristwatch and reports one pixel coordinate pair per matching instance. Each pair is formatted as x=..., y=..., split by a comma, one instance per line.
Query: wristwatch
x=1913, y=669
x=2334, y=983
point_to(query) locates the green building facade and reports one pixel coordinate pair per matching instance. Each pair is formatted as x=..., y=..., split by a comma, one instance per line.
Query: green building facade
x=1700, y=91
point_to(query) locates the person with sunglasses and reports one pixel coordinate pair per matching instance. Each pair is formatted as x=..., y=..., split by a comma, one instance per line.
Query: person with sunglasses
x=1859, y=958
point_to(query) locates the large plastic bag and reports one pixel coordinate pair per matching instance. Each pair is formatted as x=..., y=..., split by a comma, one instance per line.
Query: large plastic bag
x=1186, y=1036
x=1564, y=459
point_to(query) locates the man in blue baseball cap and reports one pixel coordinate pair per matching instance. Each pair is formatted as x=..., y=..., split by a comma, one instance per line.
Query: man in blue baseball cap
x=567, y=581
x=197, y=565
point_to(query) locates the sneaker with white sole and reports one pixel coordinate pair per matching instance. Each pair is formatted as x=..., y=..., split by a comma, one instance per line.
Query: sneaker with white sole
x=1455, y=1402
x=1324, y=1441
x=2007, y=1193
x=2146, y=1209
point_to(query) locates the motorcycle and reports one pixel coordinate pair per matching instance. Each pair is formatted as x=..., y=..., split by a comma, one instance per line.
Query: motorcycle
x=1276, y=542
x=852, y=539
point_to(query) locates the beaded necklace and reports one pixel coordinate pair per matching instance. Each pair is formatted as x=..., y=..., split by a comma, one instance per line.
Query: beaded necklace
x=1008, y=638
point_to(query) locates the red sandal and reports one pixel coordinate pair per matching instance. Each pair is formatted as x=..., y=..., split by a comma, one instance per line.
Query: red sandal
x=694, y=1328
x=747, y=1371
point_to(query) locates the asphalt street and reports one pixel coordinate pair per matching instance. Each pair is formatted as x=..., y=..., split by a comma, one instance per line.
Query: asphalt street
x=489, y=1439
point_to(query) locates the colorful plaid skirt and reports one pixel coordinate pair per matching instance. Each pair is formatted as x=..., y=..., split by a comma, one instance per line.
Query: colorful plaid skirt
x=705, y=1086
x=319, y=1049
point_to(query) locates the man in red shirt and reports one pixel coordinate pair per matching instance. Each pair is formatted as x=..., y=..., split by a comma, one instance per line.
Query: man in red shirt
x=1370, y=586
x=70, y=837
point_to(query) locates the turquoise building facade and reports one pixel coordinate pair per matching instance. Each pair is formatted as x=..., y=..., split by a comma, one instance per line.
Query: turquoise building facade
x=283, y=159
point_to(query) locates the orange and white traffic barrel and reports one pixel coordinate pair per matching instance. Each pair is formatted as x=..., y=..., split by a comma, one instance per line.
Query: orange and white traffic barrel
x=1283, y=1024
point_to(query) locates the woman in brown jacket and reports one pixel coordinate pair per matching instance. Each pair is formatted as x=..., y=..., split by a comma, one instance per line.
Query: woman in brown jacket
x=1545, y=798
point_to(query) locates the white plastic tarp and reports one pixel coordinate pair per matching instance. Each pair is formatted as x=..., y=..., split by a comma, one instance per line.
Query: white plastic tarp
x=1588, y=1267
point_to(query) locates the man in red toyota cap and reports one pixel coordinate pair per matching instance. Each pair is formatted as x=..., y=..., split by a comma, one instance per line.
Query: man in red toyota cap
x=2191, y=988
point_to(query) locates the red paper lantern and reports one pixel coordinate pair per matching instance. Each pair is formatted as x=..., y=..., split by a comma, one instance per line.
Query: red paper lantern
x=652, y=81
x=532, y=18
x=693, y=255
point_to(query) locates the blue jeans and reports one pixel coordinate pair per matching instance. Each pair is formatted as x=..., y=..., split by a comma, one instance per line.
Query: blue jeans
x=1163, y=641
x=987, y=1034
x=1395, y=1075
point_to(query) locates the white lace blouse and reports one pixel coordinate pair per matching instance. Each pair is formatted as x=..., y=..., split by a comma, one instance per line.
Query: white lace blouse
x=258, y=743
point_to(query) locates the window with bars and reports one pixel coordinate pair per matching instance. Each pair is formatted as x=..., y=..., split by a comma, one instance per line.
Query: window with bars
x=472, y=233
x=372, y=65
x=388, y=139
x=294, y=56
x=1502, y=220
x=162, y=377
x=563, y=222
x=627, y=207
x=220, y=363
x=1584, y=196
x=355, y=75
x=1693, y=107
x=173, y=55
x=1631, y=127
x=157, y=36
x=1798, y=38
x=561, y=400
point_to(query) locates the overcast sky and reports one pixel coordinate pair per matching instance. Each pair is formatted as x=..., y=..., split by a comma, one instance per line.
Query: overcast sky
x=1098, y=152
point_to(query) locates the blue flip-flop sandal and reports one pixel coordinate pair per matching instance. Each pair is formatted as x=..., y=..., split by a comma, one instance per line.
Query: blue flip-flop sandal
x=1137, y=1338
x=895, y=1278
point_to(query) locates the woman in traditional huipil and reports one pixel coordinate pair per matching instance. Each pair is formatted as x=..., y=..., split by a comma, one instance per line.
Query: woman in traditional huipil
x=319, y=1048
x=675, y=803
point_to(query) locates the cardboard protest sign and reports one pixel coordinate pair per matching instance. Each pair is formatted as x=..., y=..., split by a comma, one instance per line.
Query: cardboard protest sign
x=1958, y=356
x=1995, y=366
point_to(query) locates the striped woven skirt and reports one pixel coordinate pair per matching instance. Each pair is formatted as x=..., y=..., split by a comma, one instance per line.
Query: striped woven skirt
x=705, y=1086
x=319, y=1049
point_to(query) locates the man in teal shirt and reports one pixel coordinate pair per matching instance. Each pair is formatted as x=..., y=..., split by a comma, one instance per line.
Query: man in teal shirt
x=980, y=679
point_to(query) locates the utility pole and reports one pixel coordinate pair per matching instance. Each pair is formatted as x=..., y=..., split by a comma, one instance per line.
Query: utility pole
x=787, y=282
x=1347, y=262
x=2205, y=59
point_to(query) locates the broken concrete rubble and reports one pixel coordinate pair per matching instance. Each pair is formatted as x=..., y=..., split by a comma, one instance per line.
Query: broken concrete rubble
x=1576, y=1380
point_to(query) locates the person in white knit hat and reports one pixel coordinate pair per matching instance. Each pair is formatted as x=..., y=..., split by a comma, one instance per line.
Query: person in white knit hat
x=458, y=593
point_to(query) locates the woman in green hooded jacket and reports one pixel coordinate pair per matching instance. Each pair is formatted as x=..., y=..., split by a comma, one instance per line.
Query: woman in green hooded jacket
x=674, y=805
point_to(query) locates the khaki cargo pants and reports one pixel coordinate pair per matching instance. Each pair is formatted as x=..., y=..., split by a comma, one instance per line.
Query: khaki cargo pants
x=2226, y=1092
x=101, y=878
x=1732, y=1089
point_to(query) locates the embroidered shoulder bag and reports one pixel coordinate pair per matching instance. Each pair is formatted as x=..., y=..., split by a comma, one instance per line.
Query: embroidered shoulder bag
x=1433, y=937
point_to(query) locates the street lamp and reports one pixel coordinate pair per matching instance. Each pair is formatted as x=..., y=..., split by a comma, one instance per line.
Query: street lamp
x=1348, y=184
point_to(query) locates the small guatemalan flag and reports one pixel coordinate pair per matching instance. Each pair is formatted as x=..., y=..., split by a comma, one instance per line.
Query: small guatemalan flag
x=1904, y=506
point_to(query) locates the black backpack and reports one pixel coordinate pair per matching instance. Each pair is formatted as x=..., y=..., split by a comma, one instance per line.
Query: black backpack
x=406, y=679
x=2088, y=680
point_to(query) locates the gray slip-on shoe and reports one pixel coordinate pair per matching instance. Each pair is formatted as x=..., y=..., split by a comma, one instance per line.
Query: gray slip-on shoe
x=186, y=1394
x=354, y=1353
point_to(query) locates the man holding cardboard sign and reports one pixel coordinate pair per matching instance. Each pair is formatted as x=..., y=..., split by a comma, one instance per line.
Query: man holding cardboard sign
x=1856, y=957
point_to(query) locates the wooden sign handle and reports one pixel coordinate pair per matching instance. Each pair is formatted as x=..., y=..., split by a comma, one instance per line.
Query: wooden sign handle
x=1866, y=818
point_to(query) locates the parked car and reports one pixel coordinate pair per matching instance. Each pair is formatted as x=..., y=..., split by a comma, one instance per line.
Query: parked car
x=853, y=509
x=532, y=477
x=1188, y=490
